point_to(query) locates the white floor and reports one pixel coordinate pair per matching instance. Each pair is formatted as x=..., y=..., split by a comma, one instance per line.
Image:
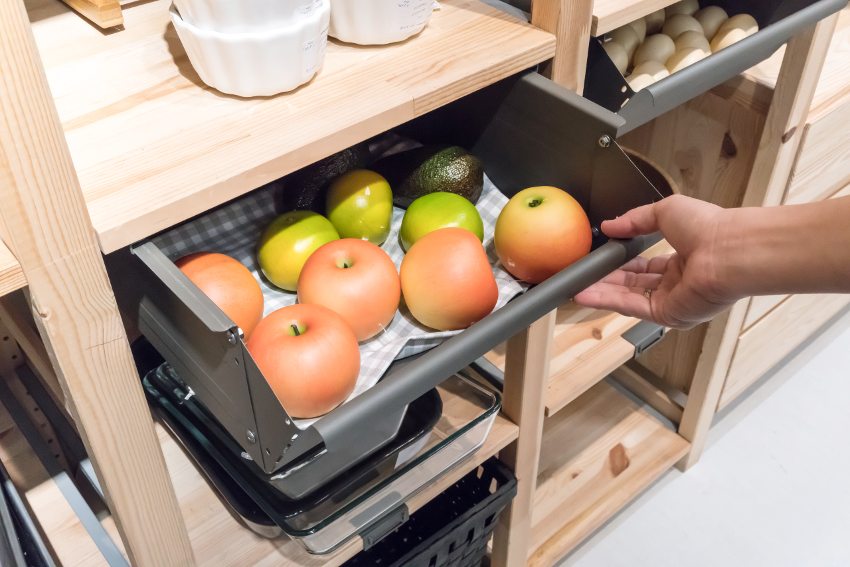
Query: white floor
x=773, y=488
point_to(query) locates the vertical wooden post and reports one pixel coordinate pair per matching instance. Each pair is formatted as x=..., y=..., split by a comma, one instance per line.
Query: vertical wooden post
x=46, y=225
x=778, y=146
x=570, y=21
x=526, y=377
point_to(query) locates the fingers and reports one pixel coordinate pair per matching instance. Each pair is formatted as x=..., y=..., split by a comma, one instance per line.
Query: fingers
x=615, y=298
x=639, y=221
x=635, y=280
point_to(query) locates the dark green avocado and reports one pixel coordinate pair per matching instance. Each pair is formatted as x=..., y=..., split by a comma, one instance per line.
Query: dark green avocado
x=429, y=169
x=305, y=189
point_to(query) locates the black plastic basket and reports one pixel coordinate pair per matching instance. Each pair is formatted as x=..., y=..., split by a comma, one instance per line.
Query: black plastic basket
x=451, y=530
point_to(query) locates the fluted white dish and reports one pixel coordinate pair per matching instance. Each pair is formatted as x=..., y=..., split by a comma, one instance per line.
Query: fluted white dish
x=378, y=22
x=239, y=16
x=258, y=63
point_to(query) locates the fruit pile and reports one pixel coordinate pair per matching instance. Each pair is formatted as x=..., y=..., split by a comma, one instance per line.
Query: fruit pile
x=672, y=38
x=347, y=285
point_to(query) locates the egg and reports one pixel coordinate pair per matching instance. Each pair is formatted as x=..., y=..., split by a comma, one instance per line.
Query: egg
x=678, y=24
x=692, y=40
x=655, y=21
x=639, y=26
x=617, y=54
x=627, y=37
x=687, y=7
x=658, y=47
x=645, y=74
x=734, y=30
x=684, y=58
x=711, y=18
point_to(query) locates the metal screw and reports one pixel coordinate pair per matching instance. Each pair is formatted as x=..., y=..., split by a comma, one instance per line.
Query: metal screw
x=252, y=437
x=605, y=141
x=231, y=337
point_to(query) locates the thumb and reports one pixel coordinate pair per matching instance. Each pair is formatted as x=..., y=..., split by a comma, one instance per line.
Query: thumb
x=639, y=221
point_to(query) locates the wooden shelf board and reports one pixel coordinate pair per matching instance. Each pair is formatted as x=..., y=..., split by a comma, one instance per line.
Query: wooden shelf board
x=219, y=539
x=11, y=275
x=611, y=14
x=153, y=146
x=597, y=455
x=833, y=86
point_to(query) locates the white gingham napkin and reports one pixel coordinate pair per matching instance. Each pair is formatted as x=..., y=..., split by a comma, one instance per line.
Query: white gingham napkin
x=235, y=230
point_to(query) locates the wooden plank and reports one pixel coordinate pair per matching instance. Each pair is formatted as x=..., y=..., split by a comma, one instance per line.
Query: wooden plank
x=102, y=13
x=526, y=373
x=154, y=147
x=651, y=388
x=821, y=167
x=45, y=222
x=759, y=307
x=570, y=21
x=832, y=86
x=775, y=336
x=597, y=455
x=610, y=14
x=11, y=275
x=783, y=129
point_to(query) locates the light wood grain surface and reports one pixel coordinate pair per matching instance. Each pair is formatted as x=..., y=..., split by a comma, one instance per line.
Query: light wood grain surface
x=45, y=222
x=153, y=146
x=102, y=13
x=570, y=21
x=610, y=14
x=11, y=275
x=833, y=85
x=598, y=454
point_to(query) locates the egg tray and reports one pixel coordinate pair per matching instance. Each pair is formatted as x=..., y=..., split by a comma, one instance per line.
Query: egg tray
x=527, y=131
x=778, y=21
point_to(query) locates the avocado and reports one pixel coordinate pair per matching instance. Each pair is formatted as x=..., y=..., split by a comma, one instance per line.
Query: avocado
x=306, y=188
x=429, y=169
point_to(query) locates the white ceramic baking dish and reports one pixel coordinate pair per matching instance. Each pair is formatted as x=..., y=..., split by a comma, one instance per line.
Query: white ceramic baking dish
x=239, y=16
x=257, y=63
x=378, y=22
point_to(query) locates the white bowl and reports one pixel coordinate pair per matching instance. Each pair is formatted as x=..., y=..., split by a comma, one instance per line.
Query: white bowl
x=378, y=22
x=236, y=16
x=257, y=64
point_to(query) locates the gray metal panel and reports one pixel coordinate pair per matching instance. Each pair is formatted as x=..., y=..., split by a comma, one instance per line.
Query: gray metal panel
x=778, y=20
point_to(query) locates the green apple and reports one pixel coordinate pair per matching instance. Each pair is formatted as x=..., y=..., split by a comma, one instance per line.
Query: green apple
x=439, y=210
x=287, y=243
x=360, y=205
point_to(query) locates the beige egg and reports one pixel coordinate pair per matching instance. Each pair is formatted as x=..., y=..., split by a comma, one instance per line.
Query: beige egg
x=617, y=54
x=734, y=30
x=627, y=37
x=639, y=26
x=684, y=58
x=687, y=7
x=645, y=74
x=655, y=21
x=678, y=24
x=658, y=47
x=692, y=40
x=711, y=18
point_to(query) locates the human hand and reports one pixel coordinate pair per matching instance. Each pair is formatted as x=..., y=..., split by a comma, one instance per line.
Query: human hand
x=679, y=290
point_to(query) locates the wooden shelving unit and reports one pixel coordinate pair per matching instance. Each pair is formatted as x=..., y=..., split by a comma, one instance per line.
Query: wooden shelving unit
x=598, y=453
x=11, y=275
x=153, y=146
x=611, y=14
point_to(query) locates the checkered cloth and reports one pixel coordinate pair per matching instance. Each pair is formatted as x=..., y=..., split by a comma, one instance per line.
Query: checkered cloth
x=235, y=230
